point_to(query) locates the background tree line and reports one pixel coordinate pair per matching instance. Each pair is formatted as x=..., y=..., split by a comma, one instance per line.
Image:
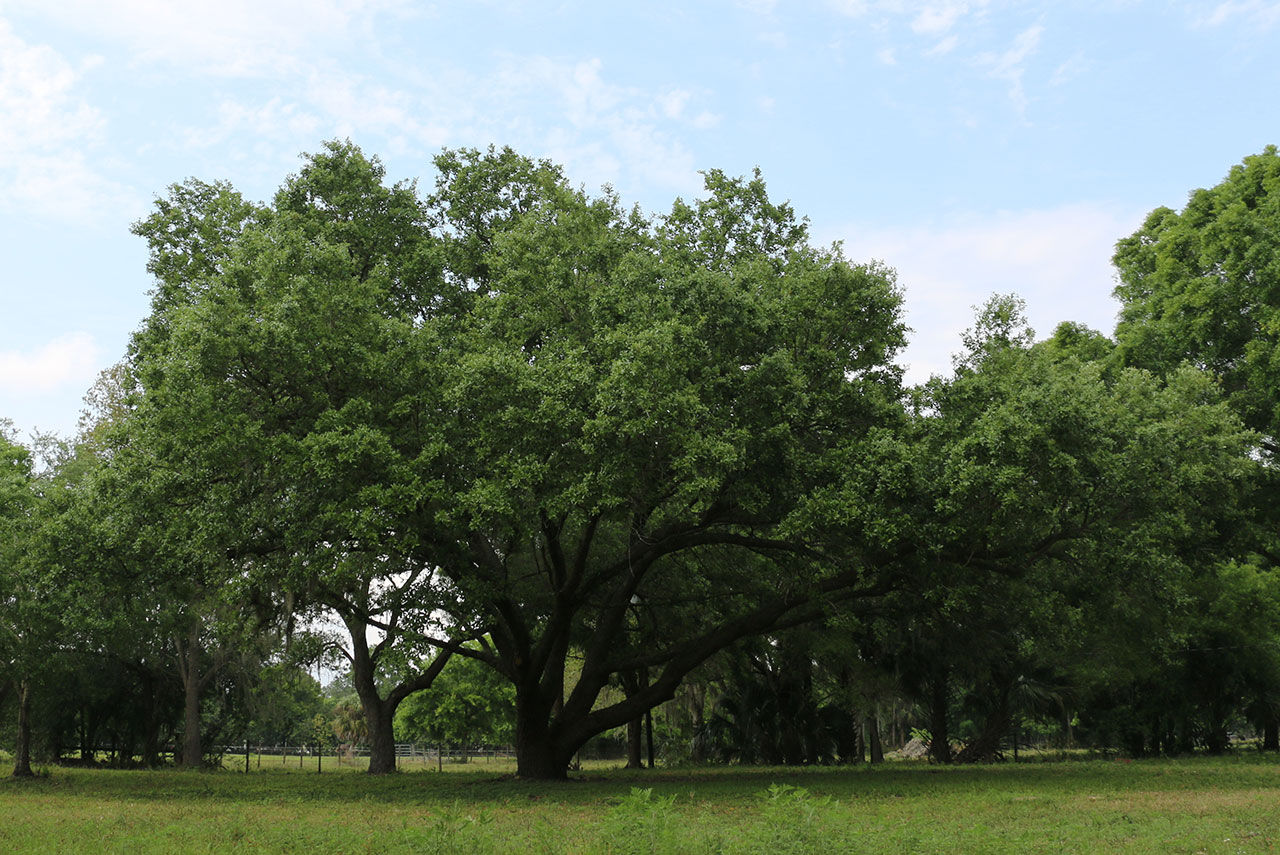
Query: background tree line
x=525, y=463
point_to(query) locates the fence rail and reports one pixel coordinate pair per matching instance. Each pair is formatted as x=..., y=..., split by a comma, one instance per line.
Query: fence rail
x=406, y=752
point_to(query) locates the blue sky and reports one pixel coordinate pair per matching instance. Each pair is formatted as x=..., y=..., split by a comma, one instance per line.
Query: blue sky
x=974, y=146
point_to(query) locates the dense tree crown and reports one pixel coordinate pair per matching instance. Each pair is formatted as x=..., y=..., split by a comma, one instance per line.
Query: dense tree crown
x=1203, y=285
x=542, y=408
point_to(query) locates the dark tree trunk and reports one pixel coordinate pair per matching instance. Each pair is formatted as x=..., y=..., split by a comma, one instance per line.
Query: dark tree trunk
x=873, y=739
x=22, y=752
x=939, y=698
x=541, y=761
x=859, y=739
x=1271, y=735
x=378, y=717
x=985, y=747
x=648, y=734
x=634, y=745
x=538, y=756
x=151, y=738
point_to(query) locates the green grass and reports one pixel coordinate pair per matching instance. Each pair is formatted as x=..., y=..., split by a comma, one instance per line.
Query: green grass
x=1197, y=805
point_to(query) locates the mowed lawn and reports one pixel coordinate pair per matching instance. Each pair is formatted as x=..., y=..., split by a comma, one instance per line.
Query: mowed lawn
x=1192, y=805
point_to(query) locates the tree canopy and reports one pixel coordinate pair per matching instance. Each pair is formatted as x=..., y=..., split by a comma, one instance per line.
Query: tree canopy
x=522, y=408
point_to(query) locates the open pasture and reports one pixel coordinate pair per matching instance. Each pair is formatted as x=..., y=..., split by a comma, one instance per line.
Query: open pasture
x=1199, y=805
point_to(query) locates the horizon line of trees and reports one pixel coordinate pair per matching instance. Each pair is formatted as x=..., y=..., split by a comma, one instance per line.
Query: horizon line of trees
x=521, y=461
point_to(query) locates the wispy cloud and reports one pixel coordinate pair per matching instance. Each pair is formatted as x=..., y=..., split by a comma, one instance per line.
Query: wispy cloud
x=1010, y=65
x=1263, y=14
x=70, y=360
x=936, y=19
x=228, y=37
x=45, y=128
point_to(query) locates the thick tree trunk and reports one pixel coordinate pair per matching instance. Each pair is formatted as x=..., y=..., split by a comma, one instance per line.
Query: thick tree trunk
x=539, y=755
x=1271, y=735
x=192, y=746
x=378, y=717
x=22, y=752
x=541, y=761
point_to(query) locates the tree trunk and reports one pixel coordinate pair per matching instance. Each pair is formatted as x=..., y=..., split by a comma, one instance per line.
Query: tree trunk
x=939, y=739
x=648, y=733
x=634, y=745
x=985, y=746
x=873, y=738
x=378, y=717
x=1271, y=735
x=541, y=761
x=859, y=754
x=538, y=754
x=192, y=747
x=22, y=753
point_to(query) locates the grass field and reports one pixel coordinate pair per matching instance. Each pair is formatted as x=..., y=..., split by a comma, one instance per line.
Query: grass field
x=1197, y=805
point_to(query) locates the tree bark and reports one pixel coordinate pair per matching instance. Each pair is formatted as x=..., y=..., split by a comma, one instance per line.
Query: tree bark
x=378, y=719
x=939, y=697
x=1271, y=735
x=634, y=745
x=538, y=755
x=192, y=746
x=873, y=738
x=648, y=734
x=22, y=753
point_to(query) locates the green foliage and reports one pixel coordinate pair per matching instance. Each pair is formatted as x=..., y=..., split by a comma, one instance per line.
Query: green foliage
x=467, y=703
x=1200, y=285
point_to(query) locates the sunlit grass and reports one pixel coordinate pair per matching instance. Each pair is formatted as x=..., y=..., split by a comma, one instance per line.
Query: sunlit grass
x=1195, y=805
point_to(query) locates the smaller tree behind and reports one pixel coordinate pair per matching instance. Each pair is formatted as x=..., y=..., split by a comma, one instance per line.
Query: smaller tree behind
x=468, y=703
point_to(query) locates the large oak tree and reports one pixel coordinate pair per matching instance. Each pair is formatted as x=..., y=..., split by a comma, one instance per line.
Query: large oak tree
x=514, y=413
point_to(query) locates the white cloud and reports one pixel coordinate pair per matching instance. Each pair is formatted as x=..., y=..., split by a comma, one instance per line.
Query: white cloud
x=1058, y=260
x=605, y=133
x=1011, y=64
x=1072, y=68
x=851, y=8
x=45, y=130
x=886, y=56
x=937, y=19
x=274, y=119
x=706, y=120
x=945, y=46
x=1257, y=13
x=672, y=103
x=233, y=37
x=68, y=362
